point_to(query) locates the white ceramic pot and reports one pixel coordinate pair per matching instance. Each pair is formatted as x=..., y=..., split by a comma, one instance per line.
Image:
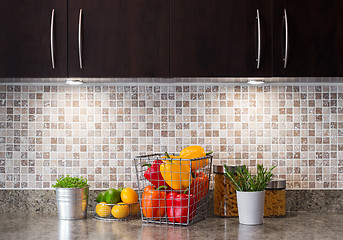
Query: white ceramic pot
x=250, y=207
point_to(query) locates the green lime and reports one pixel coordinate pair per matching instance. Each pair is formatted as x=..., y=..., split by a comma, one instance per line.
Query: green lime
x=112, y=196
x=101, y=197
x=121, y=189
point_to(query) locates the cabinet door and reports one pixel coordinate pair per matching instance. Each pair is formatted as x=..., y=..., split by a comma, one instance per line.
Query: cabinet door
x=118, y=38
x=219, y=38
x=315, y=38
x=25, y=38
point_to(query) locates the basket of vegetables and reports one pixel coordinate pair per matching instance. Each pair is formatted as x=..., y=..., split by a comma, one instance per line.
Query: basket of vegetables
x=117, y=204
x=173, y=189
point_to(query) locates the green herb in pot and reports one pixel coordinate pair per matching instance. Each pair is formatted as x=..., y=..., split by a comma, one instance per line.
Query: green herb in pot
x=245, y=182
x=71, y=182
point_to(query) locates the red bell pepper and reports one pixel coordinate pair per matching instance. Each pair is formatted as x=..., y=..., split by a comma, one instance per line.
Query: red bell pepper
x=181, y=207
x=200, y=184
x=153, y=174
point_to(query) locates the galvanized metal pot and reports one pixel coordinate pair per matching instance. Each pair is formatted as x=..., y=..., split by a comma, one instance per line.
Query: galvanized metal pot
x=72, y=202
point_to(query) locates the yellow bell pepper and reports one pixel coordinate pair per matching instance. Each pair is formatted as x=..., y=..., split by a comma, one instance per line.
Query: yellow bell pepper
x=176, y=174
x=192, y=152
x=170, y=156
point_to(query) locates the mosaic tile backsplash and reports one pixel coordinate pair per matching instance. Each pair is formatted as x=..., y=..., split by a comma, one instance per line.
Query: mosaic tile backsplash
x=95, y=131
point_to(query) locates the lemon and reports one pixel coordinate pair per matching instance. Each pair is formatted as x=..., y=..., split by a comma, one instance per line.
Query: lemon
x=129, y=196
x=120, y=210
x=102, y=209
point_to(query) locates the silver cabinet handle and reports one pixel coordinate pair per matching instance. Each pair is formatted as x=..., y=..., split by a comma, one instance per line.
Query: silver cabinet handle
x=52, y=38
x=286, y=39
x=80, y=39
x=258, y=60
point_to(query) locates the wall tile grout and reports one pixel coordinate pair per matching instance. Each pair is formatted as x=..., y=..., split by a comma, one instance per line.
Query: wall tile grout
x=96, y=130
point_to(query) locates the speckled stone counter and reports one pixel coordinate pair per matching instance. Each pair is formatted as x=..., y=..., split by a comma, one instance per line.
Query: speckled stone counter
x=44, y=201
x=300, y=225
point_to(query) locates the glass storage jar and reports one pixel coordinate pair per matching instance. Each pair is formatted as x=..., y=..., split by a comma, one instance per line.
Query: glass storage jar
x=275, y=198
x=224, y=193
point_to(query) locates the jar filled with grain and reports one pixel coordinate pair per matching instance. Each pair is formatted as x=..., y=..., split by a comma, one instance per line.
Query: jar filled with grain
x=224, y=193
x=275, y=198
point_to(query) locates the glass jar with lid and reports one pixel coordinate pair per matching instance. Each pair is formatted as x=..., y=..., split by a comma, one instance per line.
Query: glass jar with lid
x=224, y=193
x=275, y=198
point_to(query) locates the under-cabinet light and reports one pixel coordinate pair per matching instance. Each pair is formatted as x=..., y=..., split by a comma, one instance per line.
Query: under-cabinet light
x=74, y=81
x=256, y=82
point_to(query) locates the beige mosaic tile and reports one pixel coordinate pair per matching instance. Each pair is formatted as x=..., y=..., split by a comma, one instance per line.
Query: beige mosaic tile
x=96, y=131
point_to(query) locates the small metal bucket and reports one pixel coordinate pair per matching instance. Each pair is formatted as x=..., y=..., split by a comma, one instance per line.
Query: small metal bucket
x=72, y=202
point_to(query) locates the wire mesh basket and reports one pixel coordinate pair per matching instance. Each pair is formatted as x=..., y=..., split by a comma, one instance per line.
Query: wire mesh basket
x=172, y=190
x=116, y=212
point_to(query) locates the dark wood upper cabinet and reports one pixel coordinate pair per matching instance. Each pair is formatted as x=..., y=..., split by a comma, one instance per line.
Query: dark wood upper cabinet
x=171, y=38
x=25, y=38
x=315, y=38
x=118, y=38
x=219, y=38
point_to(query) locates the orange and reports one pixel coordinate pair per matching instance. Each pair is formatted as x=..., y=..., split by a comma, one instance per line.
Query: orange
x=102, y=209
x=120, y=210
x=129, y=196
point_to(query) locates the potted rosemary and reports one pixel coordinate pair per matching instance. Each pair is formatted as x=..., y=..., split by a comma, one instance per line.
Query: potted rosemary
x=250, y=192
x=72, y=197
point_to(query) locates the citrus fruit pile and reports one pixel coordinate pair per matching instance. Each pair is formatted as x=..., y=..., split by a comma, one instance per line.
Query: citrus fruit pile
x=124, y=202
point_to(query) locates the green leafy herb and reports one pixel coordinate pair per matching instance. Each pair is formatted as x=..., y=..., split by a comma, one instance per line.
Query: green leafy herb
x=245, y=182
x=71, y=182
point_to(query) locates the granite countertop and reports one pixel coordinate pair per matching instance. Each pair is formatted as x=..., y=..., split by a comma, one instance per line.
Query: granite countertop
x=299, y=225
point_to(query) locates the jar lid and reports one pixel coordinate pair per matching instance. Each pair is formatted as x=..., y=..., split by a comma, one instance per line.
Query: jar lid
x=277, y=183
x=221, y=169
